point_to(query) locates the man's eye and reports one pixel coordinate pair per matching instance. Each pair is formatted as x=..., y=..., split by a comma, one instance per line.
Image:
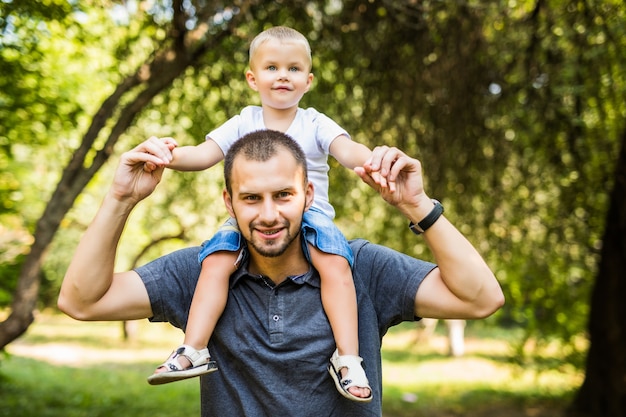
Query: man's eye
x=284, y=194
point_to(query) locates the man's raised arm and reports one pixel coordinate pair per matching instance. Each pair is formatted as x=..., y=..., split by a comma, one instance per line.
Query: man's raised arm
x=463, y=286
x=91, y=290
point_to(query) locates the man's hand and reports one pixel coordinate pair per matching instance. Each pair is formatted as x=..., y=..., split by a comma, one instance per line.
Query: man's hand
x=397, y=178
x=141, y=169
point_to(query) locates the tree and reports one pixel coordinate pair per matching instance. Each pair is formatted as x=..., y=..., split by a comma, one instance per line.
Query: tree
x=603, y=393
x=184, y=47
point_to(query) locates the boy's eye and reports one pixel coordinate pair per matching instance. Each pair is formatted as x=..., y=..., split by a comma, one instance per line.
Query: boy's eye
x=294, y=69
x=272, y=67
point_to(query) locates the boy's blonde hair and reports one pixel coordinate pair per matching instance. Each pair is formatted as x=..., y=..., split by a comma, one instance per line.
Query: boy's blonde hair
x=283, y=34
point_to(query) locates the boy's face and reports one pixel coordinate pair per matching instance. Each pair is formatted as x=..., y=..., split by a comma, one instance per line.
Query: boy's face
x=280, y=73
x=268, y=200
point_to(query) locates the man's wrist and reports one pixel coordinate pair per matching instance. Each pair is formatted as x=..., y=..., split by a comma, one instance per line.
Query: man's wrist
x=427, y=220
x=119, y=204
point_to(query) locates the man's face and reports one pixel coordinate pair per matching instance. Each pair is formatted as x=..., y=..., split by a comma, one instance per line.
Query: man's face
x=268, y=199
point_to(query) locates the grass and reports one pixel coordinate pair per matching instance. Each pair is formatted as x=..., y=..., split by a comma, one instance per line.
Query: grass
x=421, y=380
x=35, y=388
x=71, y=369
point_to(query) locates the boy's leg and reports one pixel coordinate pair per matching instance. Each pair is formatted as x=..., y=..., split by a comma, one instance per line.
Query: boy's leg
x=209, y=301
x=340, y=305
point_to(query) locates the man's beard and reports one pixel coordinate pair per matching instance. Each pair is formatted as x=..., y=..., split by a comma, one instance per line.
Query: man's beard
x=273, y=249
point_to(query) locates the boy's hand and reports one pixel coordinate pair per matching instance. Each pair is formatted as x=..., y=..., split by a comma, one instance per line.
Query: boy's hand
x=170, y=143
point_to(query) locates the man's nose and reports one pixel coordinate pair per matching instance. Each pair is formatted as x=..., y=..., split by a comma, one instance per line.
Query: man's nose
x=269, y=211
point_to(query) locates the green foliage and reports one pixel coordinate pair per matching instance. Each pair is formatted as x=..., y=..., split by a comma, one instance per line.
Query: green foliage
x=55, y=76
x=563, y=126
x=8, y=272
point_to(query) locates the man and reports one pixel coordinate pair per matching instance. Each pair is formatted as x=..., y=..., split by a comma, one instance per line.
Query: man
x=273, y=330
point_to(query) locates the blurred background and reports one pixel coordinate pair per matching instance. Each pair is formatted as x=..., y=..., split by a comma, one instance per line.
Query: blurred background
x=515, y=108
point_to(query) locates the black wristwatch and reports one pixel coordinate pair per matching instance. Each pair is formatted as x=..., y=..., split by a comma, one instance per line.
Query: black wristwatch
x=429, y=220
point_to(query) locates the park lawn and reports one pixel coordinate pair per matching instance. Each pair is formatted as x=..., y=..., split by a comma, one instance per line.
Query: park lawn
x=66, y=368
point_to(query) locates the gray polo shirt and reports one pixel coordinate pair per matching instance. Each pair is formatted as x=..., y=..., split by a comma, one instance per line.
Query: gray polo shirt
x=272, y=343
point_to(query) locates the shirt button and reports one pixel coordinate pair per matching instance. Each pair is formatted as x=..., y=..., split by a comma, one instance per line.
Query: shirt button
x=276, y=317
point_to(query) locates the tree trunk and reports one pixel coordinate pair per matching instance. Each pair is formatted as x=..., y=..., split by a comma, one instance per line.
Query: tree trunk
x=136, y=91
x=603, y=393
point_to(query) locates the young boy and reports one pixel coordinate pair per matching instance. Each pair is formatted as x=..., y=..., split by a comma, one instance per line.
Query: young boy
x=280, y=65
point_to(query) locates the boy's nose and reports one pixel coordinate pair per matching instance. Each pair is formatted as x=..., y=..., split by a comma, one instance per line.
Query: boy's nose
x=283, y=74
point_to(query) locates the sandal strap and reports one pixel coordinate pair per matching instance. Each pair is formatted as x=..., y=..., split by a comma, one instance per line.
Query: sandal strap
x=355, y=377
x=196, y=357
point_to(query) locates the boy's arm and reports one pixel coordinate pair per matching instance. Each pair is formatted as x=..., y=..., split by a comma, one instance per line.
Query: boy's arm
x=349, y=153
x=196, y=158
x=353, y=154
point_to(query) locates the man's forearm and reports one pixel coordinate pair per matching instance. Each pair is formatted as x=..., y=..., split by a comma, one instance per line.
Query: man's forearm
x=462, y=269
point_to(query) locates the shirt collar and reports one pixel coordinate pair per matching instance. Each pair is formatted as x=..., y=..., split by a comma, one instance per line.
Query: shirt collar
x=311, y=277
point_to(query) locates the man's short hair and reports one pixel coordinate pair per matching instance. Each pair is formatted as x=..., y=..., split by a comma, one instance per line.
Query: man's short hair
x=262, y=145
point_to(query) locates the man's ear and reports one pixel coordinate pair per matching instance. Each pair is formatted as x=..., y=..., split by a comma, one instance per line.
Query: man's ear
x=251, y=79
x=228, y=202
x=309, y=195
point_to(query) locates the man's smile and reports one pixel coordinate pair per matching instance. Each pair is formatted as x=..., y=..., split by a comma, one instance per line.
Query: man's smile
x=270, y=233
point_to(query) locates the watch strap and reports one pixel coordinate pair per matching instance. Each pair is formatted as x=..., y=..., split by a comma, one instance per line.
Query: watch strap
x=429, y=220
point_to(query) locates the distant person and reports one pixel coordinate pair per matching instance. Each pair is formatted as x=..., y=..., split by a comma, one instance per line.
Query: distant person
x=456, y=334
x=280, y=71
x=274, y=335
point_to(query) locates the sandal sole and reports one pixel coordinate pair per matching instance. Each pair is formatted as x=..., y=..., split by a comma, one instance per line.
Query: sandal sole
x=173, y=376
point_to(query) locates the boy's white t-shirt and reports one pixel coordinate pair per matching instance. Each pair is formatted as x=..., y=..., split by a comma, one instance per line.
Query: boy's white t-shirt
x=314, y=132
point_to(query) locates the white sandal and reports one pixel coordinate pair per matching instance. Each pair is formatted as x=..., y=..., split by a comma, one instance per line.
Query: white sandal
x=354, y=378
x=201, y=364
